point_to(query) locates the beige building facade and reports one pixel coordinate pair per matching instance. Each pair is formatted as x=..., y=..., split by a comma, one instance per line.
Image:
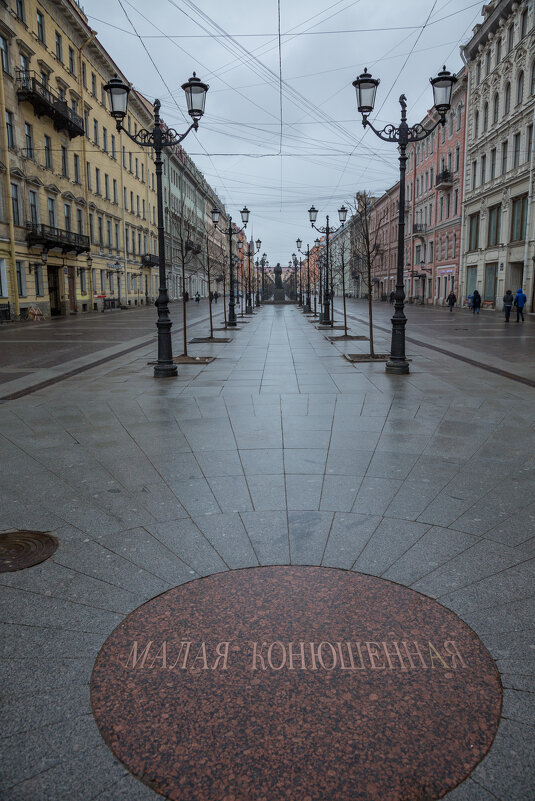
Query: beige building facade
x=498, y=211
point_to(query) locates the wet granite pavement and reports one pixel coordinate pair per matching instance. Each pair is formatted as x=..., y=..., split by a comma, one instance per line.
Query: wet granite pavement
x=279, y=452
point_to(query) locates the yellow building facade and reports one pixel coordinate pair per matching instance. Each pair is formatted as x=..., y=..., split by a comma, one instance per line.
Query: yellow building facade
x=77, y=198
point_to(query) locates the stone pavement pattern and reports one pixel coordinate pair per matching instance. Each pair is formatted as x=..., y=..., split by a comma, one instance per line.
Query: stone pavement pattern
x=278, y=452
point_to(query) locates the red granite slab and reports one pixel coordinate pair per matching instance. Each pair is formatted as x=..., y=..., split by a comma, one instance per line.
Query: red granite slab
x=383, y=694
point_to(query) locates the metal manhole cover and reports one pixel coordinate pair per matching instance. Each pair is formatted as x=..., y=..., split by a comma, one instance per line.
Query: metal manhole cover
x=296, y=683
x=21, y=549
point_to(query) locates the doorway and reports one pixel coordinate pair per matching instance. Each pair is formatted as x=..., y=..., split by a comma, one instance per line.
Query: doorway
x=471, y=280
x=516, y=276
x=72, y=291
x=489, y=292
x=53, y=291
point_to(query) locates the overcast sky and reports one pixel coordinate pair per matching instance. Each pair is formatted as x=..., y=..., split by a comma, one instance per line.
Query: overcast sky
x=280, y=152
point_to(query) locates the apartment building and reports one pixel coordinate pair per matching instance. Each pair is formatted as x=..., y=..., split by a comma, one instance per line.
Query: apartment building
x=498, y=213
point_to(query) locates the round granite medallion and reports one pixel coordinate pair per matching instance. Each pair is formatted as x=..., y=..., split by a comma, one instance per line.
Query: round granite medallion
x=296, y=683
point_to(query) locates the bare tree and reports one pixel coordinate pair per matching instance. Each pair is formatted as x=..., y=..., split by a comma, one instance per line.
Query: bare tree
x=367, y=240
x=339, y=253
x=184, y=234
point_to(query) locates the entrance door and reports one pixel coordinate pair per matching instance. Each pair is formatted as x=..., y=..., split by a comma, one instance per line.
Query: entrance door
x=72, y=291
x=471, y=280
x=517, y=274
x=53, y=291
x=489, y=292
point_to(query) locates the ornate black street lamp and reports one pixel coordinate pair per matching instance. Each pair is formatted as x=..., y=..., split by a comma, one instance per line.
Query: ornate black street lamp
x=258, y=244
x=366, y=87
x=297, y=285
x=231, y=231
x=158, y=138
x=306, y=307
x=249, y=301
x=263, y=262
x=327, y=230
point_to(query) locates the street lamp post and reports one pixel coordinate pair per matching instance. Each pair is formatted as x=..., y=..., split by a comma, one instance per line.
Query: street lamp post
x=263, y=262
x=230, y=231
x=250, y=246
x=306, y=307
x=327, y=230
x=366, y=87
x=158, y=138
x=258, y=244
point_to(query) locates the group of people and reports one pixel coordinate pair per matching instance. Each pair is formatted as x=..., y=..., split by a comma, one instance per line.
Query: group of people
x=213, y=296
x=509, y=300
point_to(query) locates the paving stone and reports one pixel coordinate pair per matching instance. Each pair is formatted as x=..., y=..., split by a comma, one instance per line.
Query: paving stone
x=338, y=493
x=308, y=533
x=436, y=547
x=507, y=770
x=375, y=494
x=141, y=548
x=195, y=496
x=348, y=462
x=389, y=541
x=347, y=538
x=267, y=492
x=184, y=538
x=303, y=492
x=228, y=537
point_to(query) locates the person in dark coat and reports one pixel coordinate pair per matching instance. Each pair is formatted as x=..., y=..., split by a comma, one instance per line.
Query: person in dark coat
x=451, y=300
x=197, y=297
x=392, y=296
x=476, y=302
x=520, y=302
x=186, y=296
x=508, y=304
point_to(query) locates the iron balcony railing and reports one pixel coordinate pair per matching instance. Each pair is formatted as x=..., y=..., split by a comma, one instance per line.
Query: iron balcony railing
x=49, y=238
x=45, y=102
x=444, y=179
x=419, y=228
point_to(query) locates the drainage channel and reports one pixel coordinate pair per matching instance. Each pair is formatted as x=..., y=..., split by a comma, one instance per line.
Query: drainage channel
x=482, y=366
x=77, y=370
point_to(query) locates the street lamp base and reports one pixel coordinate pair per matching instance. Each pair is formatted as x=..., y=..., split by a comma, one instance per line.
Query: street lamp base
x=397, y=367
x=165, y=370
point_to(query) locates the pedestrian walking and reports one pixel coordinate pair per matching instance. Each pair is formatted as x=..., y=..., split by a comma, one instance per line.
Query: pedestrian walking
x=211, y=297
x=508, y=304
x=520, y=302
x=476, y=302
x=451, y=300
x=392, y=296
x=186, y=296
x=197, y=297
x=216, y=295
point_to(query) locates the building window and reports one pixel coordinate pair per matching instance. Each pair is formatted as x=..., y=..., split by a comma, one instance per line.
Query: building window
x=80, y=221
x=5, y=54
x=100, y=232
x=487, y=63
x=76, y=168
x=504, y=157
x=457, y=158
x=28, y=134
x=72, y=65
x=21, y=279
x=498, y=51
x=124, y=157
x=106, y=186
x=516, y=150
x=93, y=84
x=532, y=79
x=476, y=124
x=88, y=176
x=483, y=169
x=474, y=174
x=473, y=232
x=97, y=181
x=117, y=238
x=524, y=23
x=485, y=116
x=115, y=200
x=39, y=286
x=455, y=201
x=59, y=47
x=478, y=72
x=102, y=282
x=67, y=215
x=86, y=123
x=507, y=99
x=15, y=203
x=34, y=215
x=495, y=216
x=91, y=228
x=108, y=230
x=130, y=161
x=495, y=107
x=20, y=11
x=51, y=206
x=493, y=163
x=520, y=88
x=83, y=281
x=95, y=131
x=10, y=129
x=510, y=38
x=113, y=149
x=529, y=142
x=132, y=202
x=519, y=218
x=64, y=162
x=40, y=27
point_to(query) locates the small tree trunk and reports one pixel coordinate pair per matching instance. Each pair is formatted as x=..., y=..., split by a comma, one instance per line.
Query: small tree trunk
x=370, y=311
x=184, y=304
x=344, y=295
x=209, y=293
x=224, y=300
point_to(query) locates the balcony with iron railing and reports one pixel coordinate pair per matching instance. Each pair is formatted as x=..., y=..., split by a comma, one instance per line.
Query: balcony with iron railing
x=444, y=180
x=46, y=102
x=419, y=228
x=150, y=260
x=50, y=238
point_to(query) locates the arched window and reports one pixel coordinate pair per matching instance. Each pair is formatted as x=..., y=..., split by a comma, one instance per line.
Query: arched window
x=519, y=88
x=460, y=111
x=485, y=116
x=532, y=80
x=507, y=99
x=451, y=124
x=495, y=107
x=476, y=124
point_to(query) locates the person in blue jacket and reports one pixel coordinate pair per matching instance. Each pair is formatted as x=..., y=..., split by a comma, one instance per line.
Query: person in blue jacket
x=520, y=302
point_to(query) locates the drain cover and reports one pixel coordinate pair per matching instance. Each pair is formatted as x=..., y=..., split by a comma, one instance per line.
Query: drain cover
x=20, y=549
